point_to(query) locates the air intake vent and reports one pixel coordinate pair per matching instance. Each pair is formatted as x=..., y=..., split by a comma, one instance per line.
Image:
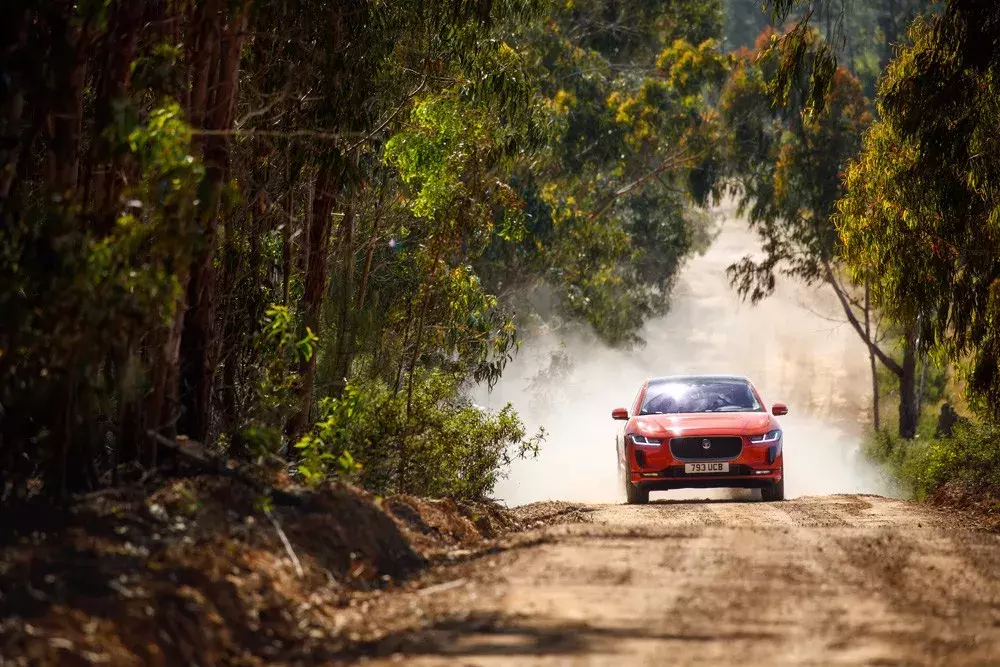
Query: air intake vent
x=707, y=447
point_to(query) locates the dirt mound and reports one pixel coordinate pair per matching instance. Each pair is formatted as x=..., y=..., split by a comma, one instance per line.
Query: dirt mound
x=536, y=515
x=969, y=503
x=437, y=524
x=208, y=571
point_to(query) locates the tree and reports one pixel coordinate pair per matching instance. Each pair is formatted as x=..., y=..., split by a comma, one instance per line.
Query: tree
x=162, y=164
x=626, y=91
x=248, y=222
x=788, y=165
x=919, y=210
x=858, y=35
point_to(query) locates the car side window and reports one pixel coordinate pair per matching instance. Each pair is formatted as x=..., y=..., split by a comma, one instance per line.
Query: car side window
x=635, y=402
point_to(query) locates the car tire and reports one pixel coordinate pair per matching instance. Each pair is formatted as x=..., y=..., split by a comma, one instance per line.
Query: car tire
x=773, y=493
x=635, y=495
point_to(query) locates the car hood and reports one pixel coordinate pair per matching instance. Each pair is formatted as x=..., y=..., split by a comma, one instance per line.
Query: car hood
x=715, y=423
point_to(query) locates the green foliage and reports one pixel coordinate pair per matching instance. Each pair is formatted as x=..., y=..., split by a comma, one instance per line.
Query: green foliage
x=300, y=229
x=789, y=165
x=442, y=446
x=631, y=151
x=450, y=156
x=324, y=451
x=970, y=458
x=919, y=217
x=281, y=351
x=860, y=36
x=74, y=299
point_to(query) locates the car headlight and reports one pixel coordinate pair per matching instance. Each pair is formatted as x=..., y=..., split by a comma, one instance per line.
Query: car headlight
x=643, y=441
x=770, y=436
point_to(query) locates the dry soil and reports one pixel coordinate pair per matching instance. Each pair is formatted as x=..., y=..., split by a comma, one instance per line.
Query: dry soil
x=834, y=580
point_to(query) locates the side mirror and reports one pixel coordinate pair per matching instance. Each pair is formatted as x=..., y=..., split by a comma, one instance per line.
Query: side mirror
x=620, y=414
x=779, y=409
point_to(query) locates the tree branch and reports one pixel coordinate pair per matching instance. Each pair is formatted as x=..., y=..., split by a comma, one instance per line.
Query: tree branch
x=886, y=360
x=675, y=160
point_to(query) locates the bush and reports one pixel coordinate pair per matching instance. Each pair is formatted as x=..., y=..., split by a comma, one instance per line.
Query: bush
x=970, y=458
x=433, y=443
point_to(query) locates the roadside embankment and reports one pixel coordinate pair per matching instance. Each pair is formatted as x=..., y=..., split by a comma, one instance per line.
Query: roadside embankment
x=207, y=570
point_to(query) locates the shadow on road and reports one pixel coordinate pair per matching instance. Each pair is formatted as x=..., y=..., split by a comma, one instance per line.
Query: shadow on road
x=704, y=501
x=488, y=634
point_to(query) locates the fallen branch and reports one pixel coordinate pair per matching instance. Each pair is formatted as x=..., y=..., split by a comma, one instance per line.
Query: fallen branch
x=438, y=588
x=288, y=545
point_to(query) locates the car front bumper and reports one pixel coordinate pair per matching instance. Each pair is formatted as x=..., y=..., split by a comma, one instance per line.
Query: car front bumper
x=693, y=481
x=751, y=470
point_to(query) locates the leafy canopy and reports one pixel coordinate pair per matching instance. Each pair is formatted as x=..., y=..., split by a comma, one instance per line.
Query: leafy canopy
x=921, y=217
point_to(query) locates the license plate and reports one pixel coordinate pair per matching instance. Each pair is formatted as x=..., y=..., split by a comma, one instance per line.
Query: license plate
x=706, y=467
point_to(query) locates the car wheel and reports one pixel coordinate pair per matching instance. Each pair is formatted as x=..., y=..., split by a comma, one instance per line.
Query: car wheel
x=774, y=492
x=635, y=495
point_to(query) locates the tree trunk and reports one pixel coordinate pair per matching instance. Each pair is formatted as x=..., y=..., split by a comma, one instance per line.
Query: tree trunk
x=14, y=23
x=160, y=410
x=316, y=260
x=397, y=383
x=199, y=343
x=104, y=180
x=202, y=51
x=876, y=417
x=70, y=70
x=230, y=409
x=908, y=409
x=286, y=243
x=923, y=382
x=345, y=328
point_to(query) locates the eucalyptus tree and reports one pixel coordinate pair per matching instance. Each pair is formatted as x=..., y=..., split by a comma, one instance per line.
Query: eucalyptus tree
x=788, y=167
x=919, y=217
x=173, y=176
x=625, y=91
x=115, y=156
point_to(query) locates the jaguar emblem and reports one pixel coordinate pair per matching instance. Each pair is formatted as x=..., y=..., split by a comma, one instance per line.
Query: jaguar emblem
x=706, y=444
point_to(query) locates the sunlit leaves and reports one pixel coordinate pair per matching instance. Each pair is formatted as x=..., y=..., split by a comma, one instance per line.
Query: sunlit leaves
x=632, y=147
x=789, y=165
x=919, y=218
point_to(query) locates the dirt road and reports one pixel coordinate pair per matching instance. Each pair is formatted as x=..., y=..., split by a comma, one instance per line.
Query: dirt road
x=836, y=580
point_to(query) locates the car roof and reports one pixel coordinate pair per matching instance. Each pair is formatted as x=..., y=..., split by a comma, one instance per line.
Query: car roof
x=690, y=378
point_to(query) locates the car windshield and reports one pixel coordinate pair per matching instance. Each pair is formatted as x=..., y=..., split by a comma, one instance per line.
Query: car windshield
x=683, y=395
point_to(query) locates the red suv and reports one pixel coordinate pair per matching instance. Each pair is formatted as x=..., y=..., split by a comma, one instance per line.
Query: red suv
x=700, y=432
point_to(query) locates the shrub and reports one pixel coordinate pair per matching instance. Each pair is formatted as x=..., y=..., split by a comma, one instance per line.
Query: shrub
x=434, y=442
x=971, y=458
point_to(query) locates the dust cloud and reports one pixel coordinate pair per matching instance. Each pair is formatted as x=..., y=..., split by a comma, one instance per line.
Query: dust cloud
x=793, y=346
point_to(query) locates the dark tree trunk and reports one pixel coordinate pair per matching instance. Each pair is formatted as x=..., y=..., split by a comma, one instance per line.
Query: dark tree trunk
x=286, y=249
x=14, y=25
x=231, y=410
x=160, y=412
x=70, y=69
x=161, y=404
x=104, y=179
x=316, y=260
x=908, y=409
x=345, y=321
x=199, y=343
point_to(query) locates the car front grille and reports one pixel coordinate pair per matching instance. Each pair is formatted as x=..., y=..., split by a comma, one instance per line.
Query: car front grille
x=735, y=470
x=709, y=447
